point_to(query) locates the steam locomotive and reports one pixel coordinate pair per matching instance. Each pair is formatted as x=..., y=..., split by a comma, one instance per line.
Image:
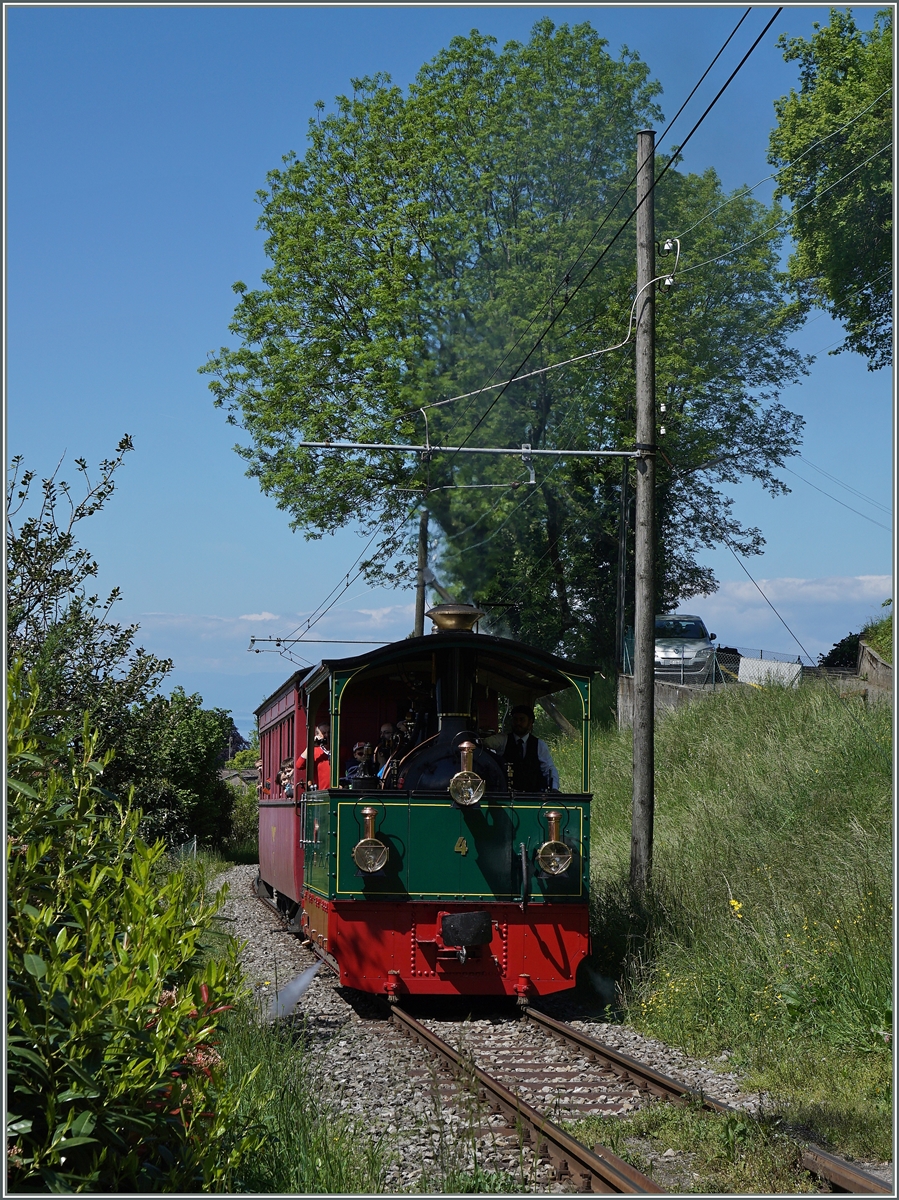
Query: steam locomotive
x=437, y=877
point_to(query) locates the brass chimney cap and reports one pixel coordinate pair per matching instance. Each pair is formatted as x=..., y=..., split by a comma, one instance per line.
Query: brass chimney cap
x=454, y=618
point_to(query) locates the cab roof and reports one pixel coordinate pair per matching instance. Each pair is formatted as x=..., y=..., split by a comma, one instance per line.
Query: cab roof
x=510, y=667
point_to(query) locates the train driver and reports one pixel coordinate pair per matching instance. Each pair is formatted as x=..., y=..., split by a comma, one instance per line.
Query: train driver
x=533, y=769
x=321, y=757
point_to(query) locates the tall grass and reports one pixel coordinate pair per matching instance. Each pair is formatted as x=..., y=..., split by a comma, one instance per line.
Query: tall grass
x=879, y=636
x=768, y=932
x=310, y=1148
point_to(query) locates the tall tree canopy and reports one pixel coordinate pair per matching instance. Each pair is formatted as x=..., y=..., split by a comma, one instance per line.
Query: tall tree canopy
x=420, y=247
x=833, y=145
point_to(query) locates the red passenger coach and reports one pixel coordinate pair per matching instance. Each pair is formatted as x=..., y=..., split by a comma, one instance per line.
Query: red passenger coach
x=417, y=855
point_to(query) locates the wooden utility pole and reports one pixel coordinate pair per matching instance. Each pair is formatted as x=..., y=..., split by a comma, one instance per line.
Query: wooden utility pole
x=420, y=585
x=621, y=592
x=644, y=539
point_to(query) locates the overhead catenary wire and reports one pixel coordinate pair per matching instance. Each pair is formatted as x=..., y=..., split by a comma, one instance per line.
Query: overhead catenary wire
x=346, y=582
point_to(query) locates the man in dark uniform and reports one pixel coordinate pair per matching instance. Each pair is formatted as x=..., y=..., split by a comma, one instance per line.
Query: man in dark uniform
x=533, y=769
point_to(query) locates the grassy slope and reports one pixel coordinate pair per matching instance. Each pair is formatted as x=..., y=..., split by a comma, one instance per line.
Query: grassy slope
x=769, y=931
x=879, y=636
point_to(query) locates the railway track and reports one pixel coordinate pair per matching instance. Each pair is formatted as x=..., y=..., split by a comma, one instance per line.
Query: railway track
x=597, y=1170
x=535, y=1089
x=537, y=1072
x=837, y=1174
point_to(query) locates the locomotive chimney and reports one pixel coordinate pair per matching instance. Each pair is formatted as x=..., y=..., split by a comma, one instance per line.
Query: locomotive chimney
x=454, y=618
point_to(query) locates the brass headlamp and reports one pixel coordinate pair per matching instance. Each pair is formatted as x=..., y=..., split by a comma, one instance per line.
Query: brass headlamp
x=369, y=854
x=466, y=788
x=554, y=856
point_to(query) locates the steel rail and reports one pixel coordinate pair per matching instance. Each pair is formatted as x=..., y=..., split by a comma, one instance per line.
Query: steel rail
x=841, y=1175
x=642, y=1076
x=600, y=1169
x=328, y=959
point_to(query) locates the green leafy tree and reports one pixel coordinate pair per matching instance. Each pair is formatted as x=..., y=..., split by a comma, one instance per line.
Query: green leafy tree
x=171, y=754
x=418, y=249
x=112, y=1073
x=169, y=750
x=833, y=145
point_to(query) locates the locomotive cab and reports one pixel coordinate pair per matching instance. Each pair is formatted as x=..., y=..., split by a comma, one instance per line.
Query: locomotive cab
x=434, y=875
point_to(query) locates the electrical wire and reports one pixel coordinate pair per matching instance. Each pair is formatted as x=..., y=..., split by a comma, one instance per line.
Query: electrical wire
x=668, y=277
x=861, y=287
x=855, y=492
x=656, y=181
x=788, y=217
x=836, y=501
x=786, y=167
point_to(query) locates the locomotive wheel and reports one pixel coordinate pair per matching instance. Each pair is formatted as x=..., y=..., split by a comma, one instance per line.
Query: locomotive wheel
x=288, y=907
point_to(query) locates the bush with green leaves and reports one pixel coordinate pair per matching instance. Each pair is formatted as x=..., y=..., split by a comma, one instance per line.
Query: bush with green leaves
x=113, y=1078
x=244, y=817
x=843, y=655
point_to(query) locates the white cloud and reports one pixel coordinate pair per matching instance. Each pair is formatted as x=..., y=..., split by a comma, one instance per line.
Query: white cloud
x=389, y=613
x=833, y=589
x=263, y=616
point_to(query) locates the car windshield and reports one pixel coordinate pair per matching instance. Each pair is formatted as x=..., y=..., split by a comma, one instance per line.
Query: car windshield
x=675, y=627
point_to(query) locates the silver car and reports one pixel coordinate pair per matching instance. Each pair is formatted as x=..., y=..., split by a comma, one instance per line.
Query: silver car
x=684, y=650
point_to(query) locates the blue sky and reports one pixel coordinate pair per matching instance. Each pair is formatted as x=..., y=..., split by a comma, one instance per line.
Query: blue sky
x=136, y=140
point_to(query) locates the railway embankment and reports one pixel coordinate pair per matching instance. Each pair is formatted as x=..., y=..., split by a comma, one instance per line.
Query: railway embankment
x=765, y=941
x=872, y=681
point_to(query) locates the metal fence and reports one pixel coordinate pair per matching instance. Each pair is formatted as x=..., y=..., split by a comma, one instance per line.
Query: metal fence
x=731, y=664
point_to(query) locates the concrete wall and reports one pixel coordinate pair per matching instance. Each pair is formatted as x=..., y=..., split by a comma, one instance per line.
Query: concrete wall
x=874, y=682
x=668, y=696
x=873, y=669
